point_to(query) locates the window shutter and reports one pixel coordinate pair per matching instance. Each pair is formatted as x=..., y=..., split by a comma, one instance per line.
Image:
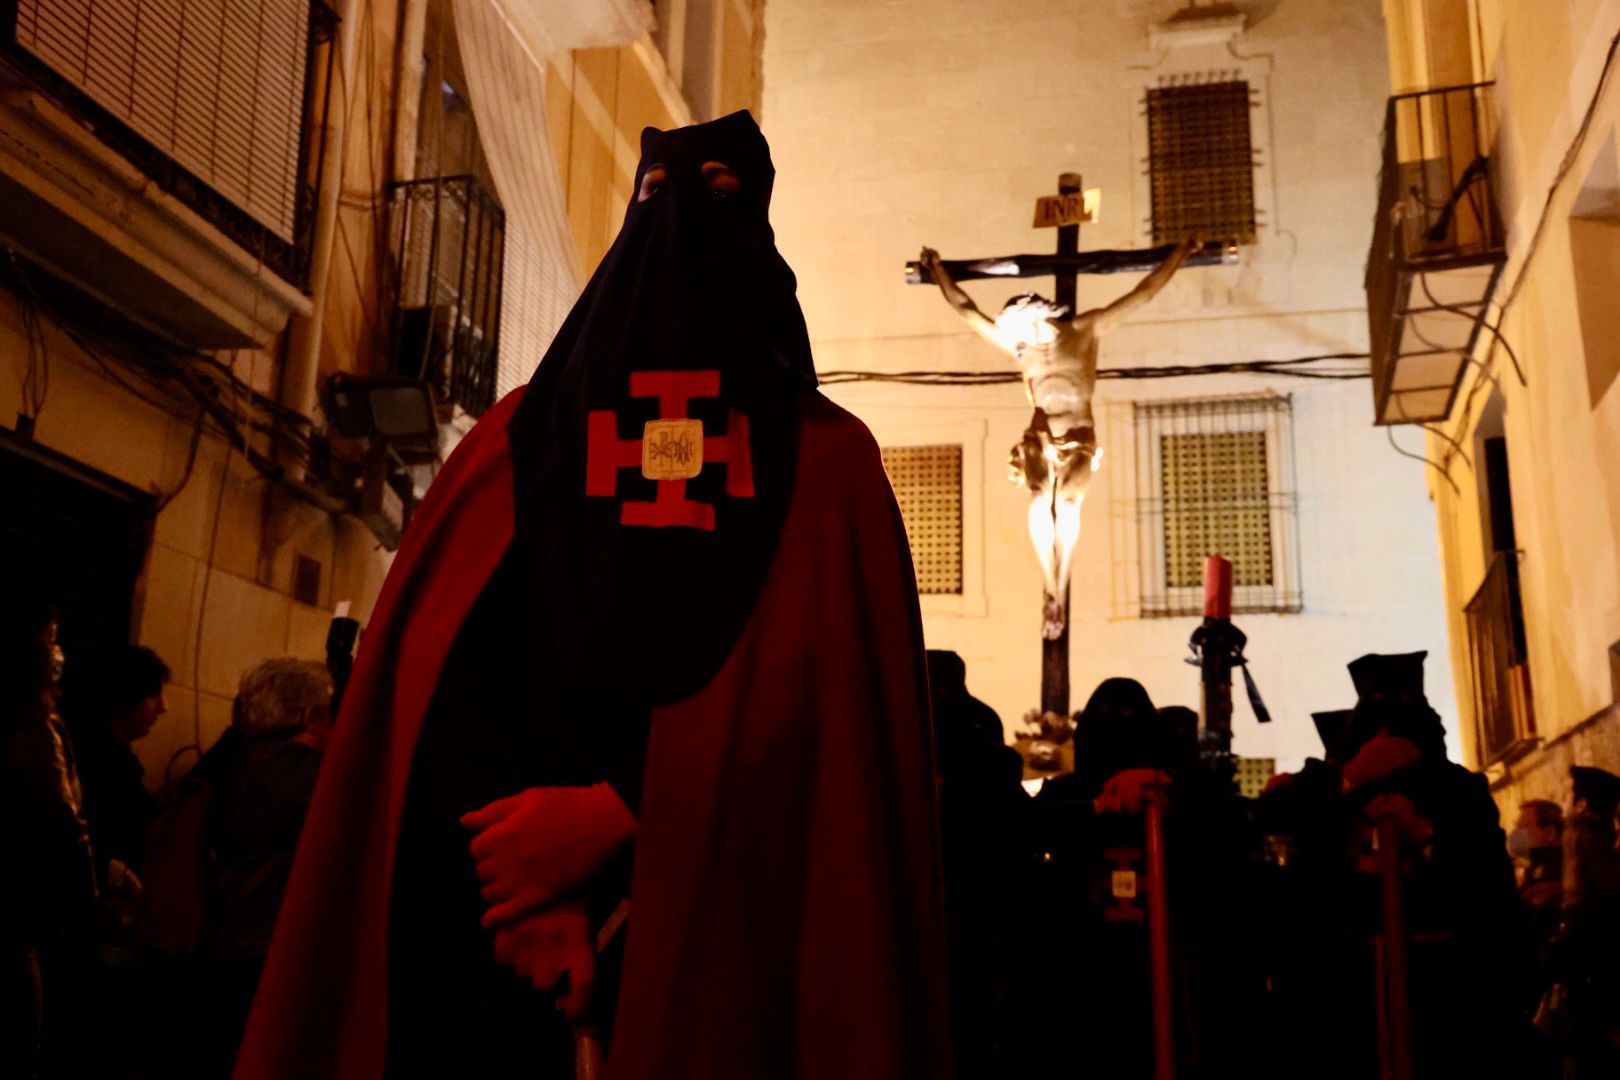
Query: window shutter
x=217, y=85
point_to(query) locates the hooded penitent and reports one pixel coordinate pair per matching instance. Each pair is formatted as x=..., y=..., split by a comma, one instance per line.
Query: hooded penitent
x=1118, y=729
x=685, y=359
x=1390, y=698
x=668, y=523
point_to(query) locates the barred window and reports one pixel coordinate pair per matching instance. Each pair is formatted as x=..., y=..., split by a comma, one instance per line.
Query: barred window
x=927, y=483
x=1253, y=774
x=1215, y=477
x=1201, y=162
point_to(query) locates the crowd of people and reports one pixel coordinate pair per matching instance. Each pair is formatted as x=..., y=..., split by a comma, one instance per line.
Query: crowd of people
x=1280, y=961
x=137, y=927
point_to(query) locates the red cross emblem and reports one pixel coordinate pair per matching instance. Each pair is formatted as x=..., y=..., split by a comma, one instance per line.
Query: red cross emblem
x=672, y=450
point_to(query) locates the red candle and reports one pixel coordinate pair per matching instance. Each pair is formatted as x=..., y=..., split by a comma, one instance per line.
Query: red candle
x=1217, y=588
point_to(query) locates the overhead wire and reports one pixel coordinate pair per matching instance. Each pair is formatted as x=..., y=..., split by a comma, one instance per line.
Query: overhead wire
x=1294, y=367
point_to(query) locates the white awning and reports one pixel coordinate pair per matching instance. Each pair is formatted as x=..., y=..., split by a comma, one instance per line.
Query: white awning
x=504, y=46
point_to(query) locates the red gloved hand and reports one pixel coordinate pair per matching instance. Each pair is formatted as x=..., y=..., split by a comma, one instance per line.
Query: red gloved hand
x=1413, y=827
x=548, y=947
x=1278, y=781
x=542, y=844
x=1127, y=791
x=1382, y=755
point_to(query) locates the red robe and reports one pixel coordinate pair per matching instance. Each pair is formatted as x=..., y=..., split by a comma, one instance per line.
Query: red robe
x=785, y=905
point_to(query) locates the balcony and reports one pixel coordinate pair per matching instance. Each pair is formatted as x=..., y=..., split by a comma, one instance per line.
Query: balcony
x=1437, y=250
x=447, y=238
x=1503, y=718
x=160, y=156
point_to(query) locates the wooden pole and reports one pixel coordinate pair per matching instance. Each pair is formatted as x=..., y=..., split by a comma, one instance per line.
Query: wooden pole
x=1158, y=904
x=1397, y=1003
x=1055, y=651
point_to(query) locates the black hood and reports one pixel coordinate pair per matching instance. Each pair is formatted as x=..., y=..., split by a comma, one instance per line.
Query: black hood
x=655, y=447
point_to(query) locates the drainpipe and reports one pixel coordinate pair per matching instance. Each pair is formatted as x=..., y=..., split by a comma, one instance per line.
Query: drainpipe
x=408, y=87
x=301, y=370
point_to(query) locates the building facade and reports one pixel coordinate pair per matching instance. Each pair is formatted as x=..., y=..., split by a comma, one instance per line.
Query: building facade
x=209, y=212
x=1526, y=490
x=920, y=122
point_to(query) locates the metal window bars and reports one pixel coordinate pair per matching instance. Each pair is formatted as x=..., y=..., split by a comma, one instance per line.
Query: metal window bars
x=447, y=239
x=1201, y=161
x=1504, y=723
x=927, y=482
x=1216, y=476
x=1437, y=249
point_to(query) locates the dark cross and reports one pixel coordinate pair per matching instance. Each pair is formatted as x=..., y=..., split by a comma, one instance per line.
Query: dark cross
x=672, y=450
x=1065, y=265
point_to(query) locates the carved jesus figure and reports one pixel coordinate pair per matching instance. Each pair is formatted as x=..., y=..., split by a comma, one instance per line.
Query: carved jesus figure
x=1057, y=352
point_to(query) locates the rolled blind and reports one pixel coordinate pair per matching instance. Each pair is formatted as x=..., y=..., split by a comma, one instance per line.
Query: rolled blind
x=217, y=85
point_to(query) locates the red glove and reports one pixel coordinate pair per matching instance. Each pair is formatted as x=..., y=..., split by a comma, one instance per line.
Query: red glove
x=1414, y=827
x=1127, y=791
x=549, y=946
x=1382, y=755
x=542, y=844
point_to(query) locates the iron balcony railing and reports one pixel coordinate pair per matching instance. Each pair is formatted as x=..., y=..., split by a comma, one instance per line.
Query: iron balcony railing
x=1438, y=245
x=447, y=238
x=220, y=105
x=1503, y=718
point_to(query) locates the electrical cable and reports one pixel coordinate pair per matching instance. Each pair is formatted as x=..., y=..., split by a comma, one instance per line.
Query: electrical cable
x=1435, y=431
x=1389, y=431
x=1293, y=368
x=1562, y=173
x=191, y=463
x=1518, y=369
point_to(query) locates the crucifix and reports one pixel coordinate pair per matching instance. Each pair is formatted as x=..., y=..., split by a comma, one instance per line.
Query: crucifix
x=1056, y=350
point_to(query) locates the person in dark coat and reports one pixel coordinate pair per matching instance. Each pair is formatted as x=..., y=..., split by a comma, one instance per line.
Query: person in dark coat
x=50, y=894
x=980, y=800
x=1084, y=987
x=1469, y=945
x=112, y=709
x=262, y=775
x=1580, y=1010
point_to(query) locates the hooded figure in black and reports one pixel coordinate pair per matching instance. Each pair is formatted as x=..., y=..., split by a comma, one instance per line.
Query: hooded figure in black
x=690, y=317
x=652, y=635
x=716, y=316
x=1470, y=948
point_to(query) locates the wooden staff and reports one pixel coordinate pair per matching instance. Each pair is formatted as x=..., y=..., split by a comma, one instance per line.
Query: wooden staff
x=1395, y=1018
x=590, y=1059
x=1158, y=903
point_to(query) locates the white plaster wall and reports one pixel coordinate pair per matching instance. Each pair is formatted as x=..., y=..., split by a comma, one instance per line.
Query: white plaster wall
x=940, y=121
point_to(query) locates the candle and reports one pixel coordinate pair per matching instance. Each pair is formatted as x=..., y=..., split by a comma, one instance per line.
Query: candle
x=1217, y=588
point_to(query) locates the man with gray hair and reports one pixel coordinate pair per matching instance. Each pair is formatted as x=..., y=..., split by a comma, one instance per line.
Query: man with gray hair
x=286, y=695
x=261, y=774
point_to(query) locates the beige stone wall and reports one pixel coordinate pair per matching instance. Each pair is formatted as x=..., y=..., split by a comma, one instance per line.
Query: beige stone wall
x=215, y=596
x=210, y=538
x=1562, y=445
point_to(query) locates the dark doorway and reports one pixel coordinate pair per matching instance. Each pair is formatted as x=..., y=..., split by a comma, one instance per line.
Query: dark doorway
x=1503, y=538
x=79, y=537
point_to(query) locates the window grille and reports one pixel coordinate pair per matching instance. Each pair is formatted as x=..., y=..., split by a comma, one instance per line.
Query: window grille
x=1504, y=721
x=1253, y=773
x=1215, y=477
x=448, y=238
x=210, y=99
x=927, y=483
x=1201, y=162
